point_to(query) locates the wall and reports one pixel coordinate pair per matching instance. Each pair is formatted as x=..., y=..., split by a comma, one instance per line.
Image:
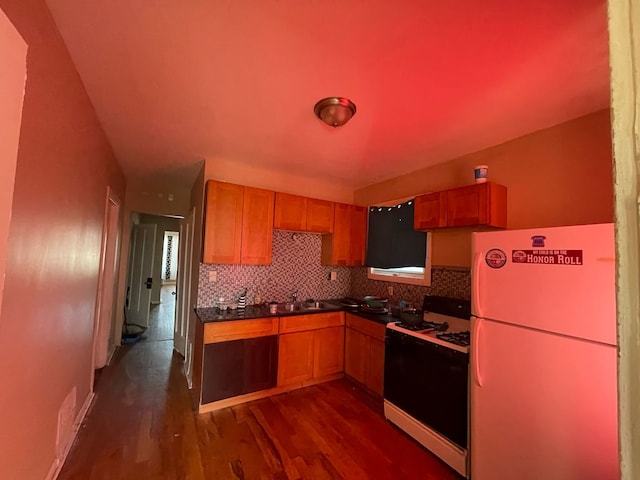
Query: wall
x=445, y=281
x=164, y=224
x=295, y=266
x=13, y=69
x=63, y=169
x=276, y=180
x=562, y=175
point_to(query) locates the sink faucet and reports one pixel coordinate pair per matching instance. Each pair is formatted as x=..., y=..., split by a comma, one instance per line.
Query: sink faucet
x=294, y=296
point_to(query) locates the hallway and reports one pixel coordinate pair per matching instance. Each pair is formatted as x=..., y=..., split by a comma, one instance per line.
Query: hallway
x=142, y=426
x=120, y=436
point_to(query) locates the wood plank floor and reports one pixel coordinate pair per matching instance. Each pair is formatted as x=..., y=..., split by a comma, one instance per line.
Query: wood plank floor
x=142, y=426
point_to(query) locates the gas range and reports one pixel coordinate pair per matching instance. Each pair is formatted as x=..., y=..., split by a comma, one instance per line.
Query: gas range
x=439, y=421
x=444, y=330
x=445, y=322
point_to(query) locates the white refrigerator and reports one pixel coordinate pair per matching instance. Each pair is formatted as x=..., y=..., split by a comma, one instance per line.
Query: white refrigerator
x=543, y=388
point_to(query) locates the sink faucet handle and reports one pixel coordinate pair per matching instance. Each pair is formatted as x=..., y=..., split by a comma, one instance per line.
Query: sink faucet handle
x=294, y=296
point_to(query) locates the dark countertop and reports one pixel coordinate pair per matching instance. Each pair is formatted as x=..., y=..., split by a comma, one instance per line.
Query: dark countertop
x=211, y=314
x=382, y=318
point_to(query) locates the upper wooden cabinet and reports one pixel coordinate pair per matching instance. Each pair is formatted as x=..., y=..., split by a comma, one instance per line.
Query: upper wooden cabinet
x=479, y=204
x=358, y=235
x=290, y=212
x=257, y=226
x=238, y=224
x=302, y=214
x=223, y=222
x=346, y=246
x=319, y=216
x=430, y=211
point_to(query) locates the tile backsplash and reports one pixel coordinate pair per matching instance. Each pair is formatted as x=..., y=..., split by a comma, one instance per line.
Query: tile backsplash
x=447, y=282
x=296, y=266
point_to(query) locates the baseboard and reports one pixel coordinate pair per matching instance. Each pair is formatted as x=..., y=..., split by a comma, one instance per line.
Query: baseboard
x=54, y=471
x=112, y=351
x=248, y=397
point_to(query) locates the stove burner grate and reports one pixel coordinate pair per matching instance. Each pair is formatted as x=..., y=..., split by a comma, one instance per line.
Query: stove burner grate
x=457, y=338
x=428, y=326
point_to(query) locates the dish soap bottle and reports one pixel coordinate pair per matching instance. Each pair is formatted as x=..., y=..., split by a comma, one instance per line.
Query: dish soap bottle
x=242, y=300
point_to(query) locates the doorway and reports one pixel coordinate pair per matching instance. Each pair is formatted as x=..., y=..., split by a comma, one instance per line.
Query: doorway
x=170, y=258
x=150, y=301
x=103, y=349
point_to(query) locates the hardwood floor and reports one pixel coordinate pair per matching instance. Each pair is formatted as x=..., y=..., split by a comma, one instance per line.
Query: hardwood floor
x=142, y=426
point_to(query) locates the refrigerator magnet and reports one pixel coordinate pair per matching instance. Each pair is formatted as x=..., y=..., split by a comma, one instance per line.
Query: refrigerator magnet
x=538, y=240
x=496, y=258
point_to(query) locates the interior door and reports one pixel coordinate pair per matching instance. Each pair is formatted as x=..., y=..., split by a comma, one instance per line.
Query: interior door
x=138, y=295
x=183, y=286
x=103, y=322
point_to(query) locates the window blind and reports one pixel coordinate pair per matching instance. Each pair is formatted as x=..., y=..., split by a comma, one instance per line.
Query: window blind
x=391, y=241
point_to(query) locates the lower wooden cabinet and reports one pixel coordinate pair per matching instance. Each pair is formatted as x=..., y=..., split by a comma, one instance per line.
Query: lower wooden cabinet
x=242, y=360
x=364, y=352
x=374, y=376
x=309, y=355
x=237, y=367
x=328, y=351
x=260, y=367
x=356, y=354
x=295, y=357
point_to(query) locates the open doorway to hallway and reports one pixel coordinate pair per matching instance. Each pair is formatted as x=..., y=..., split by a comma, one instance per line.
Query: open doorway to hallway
x=162, y=316
x=150, y=300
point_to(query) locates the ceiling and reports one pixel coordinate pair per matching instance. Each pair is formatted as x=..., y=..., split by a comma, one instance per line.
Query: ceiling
x=174, y=82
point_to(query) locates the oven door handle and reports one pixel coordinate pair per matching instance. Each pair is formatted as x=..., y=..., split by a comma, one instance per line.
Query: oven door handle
x=475, y=354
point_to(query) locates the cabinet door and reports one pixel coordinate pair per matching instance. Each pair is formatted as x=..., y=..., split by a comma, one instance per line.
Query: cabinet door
x=319, y=216
x=356, y=354
x=295, y=357
x=339, y=247
x=328, y=350
x=222, y=370
x=257, y=226
x=467, y=206
x=290, y=212
x=223, y=223
x=430, y=211
x=375, y=366
x=358, y=241
x=260, y=363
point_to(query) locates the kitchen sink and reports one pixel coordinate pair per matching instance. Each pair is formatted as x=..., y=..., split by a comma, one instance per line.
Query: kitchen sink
x=298, y=307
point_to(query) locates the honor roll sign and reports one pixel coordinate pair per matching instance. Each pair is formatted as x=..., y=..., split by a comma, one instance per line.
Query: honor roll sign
x=550, y=257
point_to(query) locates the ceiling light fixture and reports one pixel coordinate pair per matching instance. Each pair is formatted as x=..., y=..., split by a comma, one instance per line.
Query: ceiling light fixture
x=335, y=111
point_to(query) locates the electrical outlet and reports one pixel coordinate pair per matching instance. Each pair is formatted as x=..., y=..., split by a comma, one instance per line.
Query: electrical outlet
x=390, y=290
x=333, y=276
x=213, y=276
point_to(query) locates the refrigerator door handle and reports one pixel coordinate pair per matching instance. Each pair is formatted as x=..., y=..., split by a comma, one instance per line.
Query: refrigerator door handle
x=475, y=284
x=475, y=356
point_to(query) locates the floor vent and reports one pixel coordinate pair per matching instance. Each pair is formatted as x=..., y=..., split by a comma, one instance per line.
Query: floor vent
x=66, y=417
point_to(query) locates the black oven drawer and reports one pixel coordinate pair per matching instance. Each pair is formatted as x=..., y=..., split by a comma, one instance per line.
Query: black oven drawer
x=429, y=382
